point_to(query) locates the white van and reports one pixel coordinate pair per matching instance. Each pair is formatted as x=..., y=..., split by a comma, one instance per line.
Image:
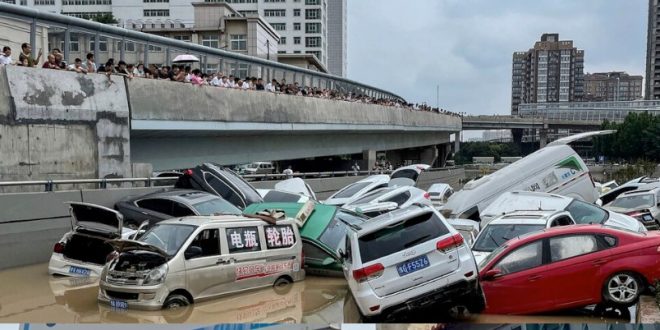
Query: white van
x=556, y=169
x=181, y=261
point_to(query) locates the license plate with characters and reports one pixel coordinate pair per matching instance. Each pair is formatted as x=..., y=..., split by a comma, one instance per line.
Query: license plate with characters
x=647, y=217
x=118, y=304
x=79, y=271
x=412, y=265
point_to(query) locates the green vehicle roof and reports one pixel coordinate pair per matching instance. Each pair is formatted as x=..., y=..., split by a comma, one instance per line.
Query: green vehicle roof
x=315, y=224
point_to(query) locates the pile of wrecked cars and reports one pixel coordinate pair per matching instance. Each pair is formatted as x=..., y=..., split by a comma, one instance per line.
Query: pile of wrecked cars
x=542, y=242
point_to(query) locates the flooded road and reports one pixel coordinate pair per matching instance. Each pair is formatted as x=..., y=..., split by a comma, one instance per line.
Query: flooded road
x=29, y=294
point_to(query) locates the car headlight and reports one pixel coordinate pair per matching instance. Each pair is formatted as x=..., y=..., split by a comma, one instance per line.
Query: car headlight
x=156, y=275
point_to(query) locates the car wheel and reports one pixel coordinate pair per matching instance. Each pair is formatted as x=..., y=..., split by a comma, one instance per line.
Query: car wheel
x=460, y=313
x=175, y=301
x=282, y=285
x=614, y=312
x=477, y=302
x=622, y=289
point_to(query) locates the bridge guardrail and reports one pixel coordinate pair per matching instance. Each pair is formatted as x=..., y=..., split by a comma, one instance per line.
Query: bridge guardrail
x=50, y=185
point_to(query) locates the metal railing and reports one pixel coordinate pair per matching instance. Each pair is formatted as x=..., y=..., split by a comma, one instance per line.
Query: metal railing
x=50, y=185
x=588, y=111
x=77, y=37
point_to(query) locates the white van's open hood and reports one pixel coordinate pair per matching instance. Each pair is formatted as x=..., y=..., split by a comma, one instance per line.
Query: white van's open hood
x=123, y=245
x=580, y=136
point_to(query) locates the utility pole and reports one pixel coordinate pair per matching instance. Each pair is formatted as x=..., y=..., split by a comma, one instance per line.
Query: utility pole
x=437, y=97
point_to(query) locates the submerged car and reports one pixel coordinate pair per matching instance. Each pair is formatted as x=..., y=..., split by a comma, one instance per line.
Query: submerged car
x=83, y=251
x=163, y=205
x=515, y=224
x=643, y=205
x=358, y=189
x=322, y=234
x=643, y=183
x=180, y=261
x=408, y=259
x=293, y=190
x=440, y=193
x=581, y=212
x=411, y=172
x=388, y=199
x=569, y=267
x=469, y=229
x=219, y=181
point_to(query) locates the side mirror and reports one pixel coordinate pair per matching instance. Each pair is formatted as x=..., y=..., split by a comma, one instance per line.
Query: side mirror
x=491, y=275
x=193, y=252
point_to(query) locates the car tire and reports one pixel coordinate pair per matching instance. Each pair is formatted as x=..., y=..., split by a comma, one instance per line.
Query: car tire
x=282, y=285
x=175, y=301
x=477, y=301
x=622, y=289
x=612, y=312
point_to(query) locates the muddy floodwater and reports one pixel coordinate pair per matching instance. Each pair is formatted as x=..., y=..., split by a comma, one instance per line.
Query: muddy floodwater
x=29, y=294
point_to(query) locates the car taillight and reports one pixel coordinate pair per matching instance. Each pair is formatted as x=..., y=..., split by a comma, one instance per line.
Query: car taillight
x=369, y=272
x=58, y=248
x=427, y=195
x=111, y=256
x=188, y=172
x=450, y=243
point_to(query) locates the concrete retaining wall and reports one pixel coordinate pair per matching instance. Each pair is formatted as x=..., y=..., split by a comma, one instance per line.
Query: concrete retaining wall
x=62, y=125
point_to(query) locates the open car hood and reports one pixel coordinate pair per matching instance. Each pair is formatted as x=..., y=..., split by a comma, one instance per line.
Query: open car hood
x=401, y=182
x=375, y=207
x=95, y=217
x=411, y=171
x=123, y=245
x=296, y=185
x=580, y=136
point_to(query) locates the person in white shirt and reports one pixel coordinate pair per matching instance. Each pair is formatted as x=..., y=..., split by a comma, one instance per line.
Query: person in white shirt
x=216, y=81
x=288, y=172
x=270, y=87
x=5, y=58
x=77, y=66
x=245, y=85
x=90, y=66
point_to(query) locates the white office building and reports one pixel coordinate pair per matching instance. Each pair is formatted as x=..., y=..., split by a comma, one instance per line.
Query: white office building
x=315, y=27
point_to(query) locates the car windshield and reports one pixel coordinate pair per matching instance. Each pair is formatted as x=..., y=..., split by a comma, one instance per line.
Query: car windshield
x=400, y=236
x=371, y=196
x=216, y=206
x=167, y=237
x=253, y=166
x=493, y=236
x=351, y=190
x=338, y=227
x=584, y=213
x=492, y=256
x=634, y=202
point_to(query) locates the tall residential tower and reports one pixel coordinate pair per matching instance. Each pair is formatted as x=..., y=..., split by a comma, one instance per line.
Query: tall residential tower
x=652, y=83
x=552, y=71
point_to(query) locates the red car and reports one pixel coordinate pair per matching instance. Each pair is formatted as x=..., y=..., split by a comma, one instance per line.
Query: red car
x=569, y=267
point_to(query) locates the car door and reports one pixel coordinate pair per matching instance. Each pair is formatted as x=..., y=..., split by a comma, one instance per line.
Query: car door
x=246, y=258
x=521, y=286
x=207, y=274
x=574, y=264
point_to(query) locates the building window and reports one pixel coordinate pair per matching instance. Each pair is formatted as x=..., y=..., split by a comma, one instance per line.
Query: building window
x=278, y=26
x=130, y=46
x=155, y=1
x=23, y=2
x=296, y=12
x=103, y=45
x=281, y=51
x=315, y=53
x=210, y=40
x=238, y=42
x=312, y=2
x=11, y=2
x=283, y=41
x=312, y=13
x=153, y=48
x=211, y=68
x=313, y=42
x=296, y=26
x=275, y=12
x=74, y=45
x=156, y=12
x=182, y=38
x=313, y=27
x=43, y=2
x=296, y=40
x=248, y=12
x=267, y=1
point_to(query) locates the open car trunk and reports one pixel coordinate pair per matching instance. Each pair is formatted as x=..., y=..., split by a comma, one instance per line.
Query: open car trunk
x=88, y=247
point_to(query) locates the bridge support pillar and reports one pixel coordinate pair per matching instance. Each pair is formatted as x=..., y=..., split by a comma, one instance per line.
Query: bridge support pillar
x=444, y=152
x=543, y=137
x=368, y=159
x=429, y=155
x=457, y=142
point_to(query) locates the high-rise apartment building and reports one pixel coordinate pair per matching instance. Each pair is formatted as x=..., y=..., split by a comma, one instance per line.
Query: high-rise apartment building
x=652, y=88
x=315, y=27
x=612, y=86
x=552, y=71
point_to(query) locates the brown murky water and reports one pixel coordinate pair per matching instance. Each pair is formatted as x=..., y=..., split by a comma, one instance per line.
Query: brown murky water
x=29, y=294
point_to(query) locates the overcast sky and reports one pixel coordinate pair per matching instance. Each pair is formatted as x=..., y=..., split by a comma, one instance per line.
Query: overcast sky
x=466, y=46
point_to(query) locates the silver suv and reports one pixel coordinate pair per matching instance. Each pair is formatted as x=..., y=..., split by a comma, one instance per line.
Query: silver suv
x=410, y=258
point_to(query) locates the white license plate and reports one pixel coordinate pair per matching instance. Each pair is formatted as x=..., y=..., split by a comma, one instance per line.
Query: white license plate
x=79, y=271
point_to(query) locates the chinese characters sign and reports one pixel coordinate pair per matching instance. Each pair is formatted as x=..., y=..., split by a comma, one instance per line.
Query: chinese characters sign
x=243, y=239
x=279, y=237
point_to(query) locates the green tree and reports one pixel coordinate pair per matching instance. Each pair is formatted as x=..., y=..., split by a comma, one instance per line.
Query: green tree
x=106, y=18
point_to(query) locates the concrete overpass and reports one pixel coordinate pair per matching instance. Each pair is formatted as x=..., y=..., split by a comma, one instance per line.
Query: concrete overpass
x=512, y=122
x=64, y=125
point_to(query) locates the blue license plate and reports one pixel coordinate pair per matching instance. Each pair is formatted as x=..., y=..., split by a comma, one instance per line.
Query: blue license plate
x=79, y=271
x=647, y=217
x=412, y=265
x=118, y=304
